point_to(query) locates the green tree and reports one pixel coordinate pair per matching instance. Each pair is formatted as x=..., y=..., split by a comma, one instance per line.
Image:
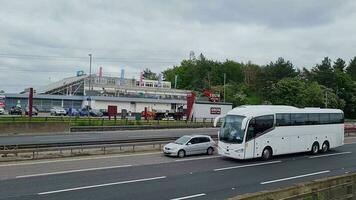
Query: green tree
x=296, y=92
x=351, y=69
x=323, y=73
x=339, y=65
x=149, y=75
x=272, y=73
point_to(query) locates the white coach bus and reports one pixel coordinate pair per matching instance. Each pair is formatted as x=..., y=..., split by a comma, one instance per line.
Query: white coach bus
x=262, y=131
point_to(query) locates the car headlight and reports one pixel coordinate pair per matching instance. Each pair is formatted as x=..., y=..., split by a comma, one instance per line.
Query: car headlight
x=239, y=150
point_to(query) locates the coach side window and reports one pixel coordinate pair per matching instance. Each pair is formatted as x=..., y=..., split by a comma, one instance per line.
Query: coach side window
x=259, y=125
x=299, y=118
x=283, y=119
x=336, y=118
x=324, y=118
x=313, y=119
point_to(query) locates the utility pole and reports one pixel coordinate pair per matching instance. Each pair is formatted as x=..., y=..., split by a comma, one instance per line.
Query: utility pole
x=224, y=85
x=326, y=99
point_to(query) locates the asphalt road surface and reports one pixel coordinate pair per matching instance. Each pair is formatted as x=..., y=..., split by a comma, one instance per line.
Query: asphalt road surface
x=154, y=176
x=104, y=136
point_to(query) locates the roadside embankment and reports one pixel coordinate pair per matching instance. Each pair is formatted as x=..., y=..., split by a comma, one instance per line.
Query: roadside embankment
x=339, y=187
x=24, y=128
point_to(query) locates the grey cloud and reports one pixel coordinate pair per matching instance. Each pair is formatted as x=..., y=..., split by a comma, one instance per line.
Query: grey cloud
x=135, y=34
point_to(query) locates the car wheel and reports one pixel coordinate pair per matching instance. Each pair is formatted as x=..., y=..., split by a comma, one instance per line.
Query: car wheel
x=210, y=151
x=315, y=148
x=325, y=147
x=267, y=154
x=181, y=153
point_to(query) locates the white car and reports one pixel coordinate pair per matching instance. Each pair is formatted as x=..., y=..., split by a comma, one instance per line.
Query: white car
x=190, y=145
x=2, y=111
x=58, y=111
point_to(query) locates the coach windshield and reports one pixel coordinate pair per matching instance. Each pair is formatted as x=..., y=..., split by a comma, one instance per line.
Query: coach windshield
x=230, y=130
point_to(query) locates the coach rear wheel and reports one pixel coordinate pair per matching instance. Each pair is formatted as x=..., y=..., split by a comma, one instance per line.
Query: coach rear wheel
x=325, y=147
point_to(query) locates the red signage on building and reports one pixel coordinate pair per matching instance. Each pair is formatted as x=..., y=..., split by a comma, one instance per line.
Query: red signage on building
x=215, y=110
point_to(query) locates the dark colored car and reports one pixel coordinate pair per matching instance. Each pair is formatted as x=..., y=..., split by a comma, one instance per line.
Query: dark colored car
x=72, y=112
x=84, y=112
x=15, y=110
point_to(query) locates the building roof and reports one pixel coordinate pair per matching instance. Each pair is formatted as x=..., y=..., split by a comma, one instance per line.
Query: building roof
x=96, y=98
x=61, y=83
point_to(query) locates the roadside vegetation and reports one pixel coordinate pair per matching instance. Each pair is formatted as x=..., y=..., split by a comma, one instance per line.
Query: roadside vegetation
x=330, y=84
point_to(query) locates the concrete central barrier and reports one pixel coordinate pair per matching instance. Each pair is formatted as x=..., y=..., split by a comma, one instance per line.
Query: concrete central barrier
x=339, y=187
x=13, y=128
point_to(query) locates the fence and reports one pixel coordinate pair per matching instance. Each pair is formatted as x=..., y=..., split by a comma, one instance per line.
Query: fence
x=104, y=121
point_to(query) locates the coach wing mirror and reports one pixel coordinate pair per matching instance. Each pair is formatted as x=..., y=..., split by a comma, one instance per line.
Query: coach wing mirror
x=217, y=119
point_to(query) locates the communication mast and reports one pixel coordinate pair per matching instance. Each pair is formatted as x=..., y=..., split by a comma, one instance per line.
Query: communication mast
x=191, y=55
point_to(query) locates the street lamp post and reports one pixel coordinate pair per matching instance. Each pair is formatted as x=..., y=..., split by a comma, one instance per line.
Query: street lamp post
x=90, y=57
x=89, y=99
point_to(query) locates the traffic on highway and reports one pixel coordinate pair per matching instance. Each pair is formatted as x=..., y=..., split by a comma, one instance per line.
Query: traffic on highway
x=177, y=100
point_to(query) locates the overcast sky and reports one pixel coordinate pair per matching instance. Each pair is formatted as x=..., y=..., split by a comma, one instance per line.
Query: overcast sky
x=42, y=41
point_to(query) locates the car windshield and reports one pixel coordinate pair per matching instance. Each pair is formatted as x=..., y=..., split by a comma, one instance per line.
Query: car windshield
x=182, y=140
x=230, y=130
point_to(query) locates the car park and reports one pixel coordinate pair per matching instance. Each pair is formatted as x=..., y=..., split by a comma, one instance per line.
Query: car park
x=58, y=111
x=190, y=145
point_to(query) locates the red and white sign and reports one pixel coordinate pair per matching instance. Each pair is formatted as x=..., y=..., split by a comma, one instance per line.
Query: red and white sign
x=2, y=104
x=215, y=110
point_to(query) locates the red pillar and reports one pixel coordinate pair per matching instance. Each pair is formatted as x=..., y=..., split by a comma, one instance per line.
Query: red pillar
x=190, y=103
x=30, y=102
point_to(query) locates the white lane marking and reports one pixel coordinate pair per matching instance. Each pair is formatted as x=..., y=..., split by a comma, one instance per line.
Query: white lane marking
x=331, y=154
x=189, y=197
x=73, y=171
x=201, y=158
x=101, y=185
x=251, y=165
x=350, y=143
x=79, y=159
x=294, y=177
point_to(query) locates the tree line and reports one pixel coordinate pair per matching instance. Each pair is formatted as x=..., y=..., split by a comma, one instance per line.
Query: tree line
x=330, y=84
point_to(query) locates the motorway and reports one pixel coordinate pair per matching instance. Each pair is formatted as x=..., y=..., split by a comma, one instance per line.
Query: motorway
x=154, y=176
x=103, y=136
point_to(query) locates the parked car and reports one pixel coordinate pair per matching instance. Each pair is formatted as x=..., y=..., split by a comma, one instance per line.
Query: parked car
x=84, y=112
x=95, y=113
x=104, y=111
x=190, y=145
x=15, y=110
x=34, y=111
x=58, y=111
x=72, y=112
x=2, y=111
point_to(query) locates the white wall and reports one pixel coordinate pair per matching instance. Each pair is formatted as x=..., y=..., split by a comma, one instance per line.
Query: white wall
x=138, y=107
x=204, y=110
